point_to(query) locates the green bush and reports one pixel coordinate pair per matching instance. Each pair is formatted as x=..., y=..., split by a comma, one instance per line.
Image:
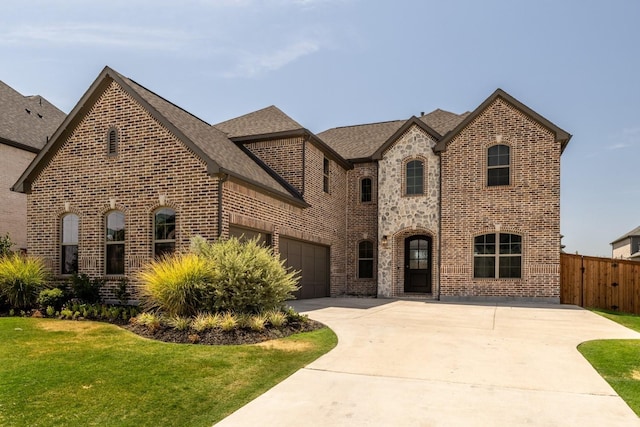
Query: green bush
x=54, y=297
x=175, y=284
x=5, y=245
x=85, y=288
x=247, y=277
x=21, y=279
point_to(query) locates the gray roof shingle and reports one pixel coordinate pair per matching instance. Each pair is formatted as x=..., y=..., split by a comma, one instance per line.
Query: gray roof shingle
x=27, y=120
x=265, y=121
x=362, y=141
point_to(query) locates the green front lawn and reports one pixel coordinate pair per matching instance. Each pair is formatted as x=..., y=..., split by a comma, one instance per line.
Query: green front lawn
x=618, y=361
x=55, y=372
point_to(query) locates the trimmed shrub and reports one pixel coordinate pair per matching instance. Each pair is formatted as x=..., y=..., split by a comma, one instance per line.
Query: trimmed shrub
x=54, y=297
x=176, y=284
x=86, y=289
x=246, y=276
x=21, y=280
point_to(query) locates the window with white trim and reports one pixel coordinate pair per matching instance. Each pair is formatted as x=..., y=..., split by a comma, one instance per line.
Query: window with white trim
x=164, y=232
x=69, y=244
x=114, y=242
x=498, y=165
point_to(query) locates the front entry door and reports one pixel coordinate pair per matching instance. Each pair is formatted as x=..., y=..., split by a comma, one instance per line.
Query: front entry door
x=417, y=264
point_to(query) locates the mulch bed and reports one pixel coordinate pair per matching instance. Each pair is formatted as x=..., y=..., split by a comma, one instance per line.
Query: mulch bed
x=218, y=337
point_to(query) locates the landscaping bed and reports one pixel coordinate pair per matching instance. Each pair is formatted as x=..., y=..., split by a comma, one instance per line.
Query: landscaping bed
x=236, y=336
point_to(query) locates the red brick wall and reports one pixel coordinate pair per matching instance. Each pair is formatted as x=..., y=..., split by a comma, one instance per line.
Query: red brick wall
x=530, y=206
x=362, y=224
x=284, y=156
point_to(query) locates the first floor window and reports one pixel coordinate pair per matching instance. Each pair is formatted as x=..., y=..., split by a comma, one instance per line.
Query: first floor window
x=164, y=234
x=365, y=260
x=69, y=244
x=497, y=255
x=114, y=261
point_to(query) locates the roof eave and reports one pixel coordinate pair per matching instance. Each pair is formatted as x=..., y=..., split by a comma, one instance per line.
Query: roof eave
x=413, y=120
x=560, y=135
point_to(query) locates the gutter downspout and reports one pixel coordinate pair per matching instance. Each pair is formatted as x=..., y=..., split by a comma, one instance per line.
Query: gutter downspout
x=222, y=177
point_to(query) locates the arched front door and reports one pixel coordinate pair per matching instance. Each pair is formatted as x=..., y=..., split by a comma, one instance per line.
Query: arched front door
x=417, y=264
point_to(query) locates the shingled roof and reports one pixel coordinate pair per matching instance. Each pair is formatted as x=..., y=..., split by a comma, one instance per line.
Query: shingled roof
x=26, y=121
x=262, y=122
x=362, y=141
x=210, y=144
x=633, y=233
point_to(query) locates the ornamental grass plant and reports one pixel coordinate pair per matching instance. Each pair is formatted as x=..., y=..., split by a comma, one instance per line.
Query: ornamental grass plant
x=21, y=280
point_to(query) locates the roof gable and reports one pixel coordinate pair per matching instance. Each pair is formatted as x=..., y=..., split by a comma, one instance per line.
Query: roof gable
x=561, y=136
x=219, y=153
x=413, y=121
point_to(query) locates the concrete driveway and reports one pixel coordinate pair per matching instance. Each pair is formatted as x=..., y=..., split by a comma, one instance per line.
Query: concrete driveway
x=417, y=363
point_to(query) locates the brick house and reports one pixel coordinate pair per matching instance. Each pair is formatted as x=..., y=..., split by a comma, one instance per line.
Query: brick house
x=26, y=122
x=443, y=205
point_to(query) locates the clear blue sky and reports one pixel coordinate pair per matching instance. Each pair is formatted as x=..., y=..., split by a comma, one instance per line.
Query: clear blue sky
x=331, y=63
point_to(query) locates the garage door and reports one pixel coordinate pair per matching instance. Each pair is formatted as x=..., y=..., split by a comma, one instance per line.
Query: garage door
x=244, y=234
x=313, y=262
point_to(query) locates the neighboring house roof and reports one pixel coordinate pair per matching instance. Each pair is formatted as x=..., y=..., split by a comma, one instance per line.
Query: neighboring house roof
x=26, y=121
x=266, y=121
x=561, y=136
x=633, y=233
x=219, y=153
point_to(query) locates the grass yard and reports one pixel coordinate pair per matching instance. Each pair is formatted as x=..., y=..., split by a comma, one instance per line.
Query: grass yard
x=618, y=361
x=55, y=372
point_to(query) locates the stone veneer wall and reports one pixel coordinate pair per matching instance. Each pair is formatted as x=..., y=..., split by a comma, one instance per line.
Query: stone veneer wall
x=362, y=224
x=530, y=206
x=13, y=206
x=401, y=216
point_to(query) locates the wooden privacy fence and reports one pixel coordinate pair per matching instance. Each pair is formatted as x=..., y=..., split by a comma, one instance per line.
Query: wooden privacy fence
x=607, y=283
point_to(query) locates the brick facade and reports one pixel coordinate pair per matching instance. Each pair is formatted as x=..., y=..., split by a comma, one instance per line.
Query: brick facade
x=155, y=167
x=529, y=206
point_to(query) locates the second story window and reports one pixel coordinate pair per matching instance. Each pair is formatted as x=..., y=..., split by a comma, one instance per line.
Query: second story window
x=414, y=178
x=498, y=162
x=325, y=175
x=365, y=190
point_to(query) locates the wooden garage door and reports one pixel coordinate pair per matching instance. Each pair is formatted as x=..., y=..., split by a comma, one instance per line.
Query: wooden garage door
x=313, y=262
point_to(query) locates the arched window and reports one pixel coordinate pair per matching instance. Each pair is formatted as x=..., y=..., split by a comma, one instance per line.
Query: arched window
x=365, y=190
x=414, y=177
x=498, y=161
x=69, y=244
x=112, y=142
x=164, y=232
x=497, y=255
x=114, y=238
x=365, y=260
